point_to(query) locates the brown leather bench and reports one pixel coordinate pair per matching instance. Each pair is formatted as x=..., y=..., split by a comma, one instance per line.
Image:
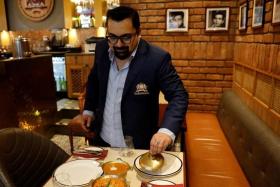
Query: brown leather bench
x=210, y=159
x=233, y=148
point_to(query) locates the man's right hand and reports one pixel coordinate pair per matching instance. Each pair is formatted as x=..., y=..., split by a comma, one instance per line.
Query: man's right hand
x=86, y=121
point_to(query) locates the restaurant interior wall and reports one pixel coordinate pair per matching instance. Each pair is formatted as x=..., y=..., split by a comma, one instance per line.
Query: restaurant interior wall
x=212, y=62
x=204, y=60
x=256, y=76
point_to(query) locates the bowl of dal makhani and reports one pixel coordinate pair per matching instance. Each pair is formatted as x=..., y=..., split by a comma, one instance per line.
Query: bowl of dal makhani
x=117, y=167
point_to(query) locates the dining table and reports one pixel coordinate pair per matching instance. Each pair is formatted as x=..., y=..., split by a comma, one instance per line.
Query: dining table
x=135, y=177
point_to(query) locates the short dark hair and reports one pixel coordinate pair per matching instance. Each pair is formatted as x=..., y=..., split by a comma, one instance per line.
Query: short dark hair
x=122, y=12
x=177, y=13
x=218, y=12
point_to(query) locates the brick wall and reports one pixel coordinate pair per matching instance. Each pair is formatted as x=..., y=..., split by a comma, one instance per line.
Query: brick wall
x=204, y=60
x=257, y=67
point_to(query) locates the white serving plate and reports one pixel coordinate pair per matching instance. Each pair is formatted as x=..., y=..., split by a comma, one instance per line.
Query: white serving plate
x=172, y=165
x=77, y=172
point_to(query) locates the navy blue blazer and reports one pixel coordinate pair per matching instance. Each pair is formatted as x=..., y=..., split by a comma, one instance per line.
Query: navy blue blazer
x=150, y=72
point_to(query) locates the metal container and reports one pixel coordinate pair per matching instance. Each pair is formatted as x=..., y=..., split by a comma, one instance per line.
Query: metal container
x=151, y=162
x=22, y=47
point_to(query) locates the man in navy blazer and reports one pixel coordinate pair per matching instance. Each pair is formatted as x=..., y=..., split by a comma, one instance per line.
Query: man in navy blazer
x=123, y=88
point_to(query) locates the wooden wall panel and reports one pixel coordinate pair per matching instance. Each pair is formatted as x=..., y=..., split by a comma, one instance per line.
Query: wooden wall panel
x=276, y=97
x=249, y=80
x=238, y=74
x=257, y=51
x=263, y=88
x=3, y=19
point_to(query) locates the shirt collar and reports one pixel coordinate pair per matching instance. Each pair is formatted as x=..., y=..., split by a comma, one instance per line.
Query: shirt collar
x=112, y=56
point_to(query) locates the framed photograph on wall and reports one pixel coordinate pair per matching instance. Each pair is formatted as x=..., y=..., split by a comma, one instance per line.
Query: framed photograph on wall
x=276, y=12
x=258, y=13
x=177, y=20
x=243, y=16
x=217, y=19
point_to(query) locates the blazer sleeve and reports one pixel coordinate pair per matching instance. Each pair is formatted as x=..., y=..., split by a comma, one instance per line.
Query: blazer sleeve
x=175, y=93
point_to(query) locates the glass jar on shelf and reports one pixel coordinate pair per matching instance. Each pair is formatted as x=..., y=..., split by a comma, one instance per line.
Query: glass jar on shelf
x=76, y=22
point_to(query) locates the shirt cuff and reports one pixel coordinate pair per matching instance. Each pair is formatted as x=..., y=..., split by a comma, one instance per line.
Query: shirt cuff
x=168, y=132
x=88, y=112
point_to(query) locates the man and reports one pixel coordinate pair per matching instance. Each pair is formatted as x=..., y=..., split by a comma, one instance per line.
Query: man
x=177, y=19
x=123, y=88
x=218, y=19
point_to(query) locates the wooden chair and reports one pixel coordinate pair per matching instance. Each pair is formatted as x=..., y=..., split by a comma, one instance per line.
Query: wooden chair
x=75, y=125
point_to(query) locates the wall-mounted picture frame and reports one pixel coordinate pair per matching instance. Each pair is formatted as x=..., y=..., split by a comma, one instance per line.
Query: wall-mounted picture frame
x=177, y=20
x=217, y=19
x=276, y=12
x=258, y=13
x=243, y=15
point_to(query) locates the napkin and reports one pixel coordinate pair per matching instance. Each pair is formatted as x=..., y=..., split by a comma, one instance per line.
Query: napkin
x=84, y=154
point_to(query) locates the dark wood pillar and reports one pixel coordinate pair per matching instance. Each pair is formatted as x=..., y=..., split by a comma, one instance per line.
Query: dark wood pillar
x=27, y=85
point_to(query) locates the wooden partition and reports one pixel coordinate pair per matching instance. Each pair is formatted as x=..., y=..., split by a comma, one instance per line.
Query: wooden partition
x=27, y=91
x=3, y=20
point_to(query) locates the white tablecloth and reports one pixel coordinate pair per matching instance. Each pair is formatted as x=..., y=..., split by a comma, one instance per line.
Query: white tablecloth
x=133, y=177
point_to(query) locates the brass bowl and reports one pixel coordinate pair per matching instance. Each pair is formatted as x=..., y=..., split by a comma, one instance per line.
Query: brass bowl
x=109, y=180
x=151, y=162
x=117, y=167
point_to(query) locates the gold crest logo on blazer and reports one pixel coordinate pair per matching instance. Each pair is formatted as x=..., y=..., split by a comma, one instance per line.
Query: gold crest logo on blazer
x=141, y=89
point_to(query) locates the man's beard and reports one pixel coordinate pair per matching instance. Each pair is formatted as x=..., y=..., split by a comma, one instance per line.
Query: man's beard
x=122, y=52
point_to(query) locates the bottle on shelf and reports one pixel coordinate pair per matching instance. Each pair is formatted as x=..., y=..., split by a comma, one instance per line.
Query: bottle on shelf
x=62, y=83
x=76, y=22
x=57, y=83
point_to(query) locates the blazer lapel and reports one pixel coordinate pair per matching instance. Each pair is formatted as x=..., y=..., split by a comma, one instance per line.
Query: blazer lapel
x=135, y=66
x=104, y=76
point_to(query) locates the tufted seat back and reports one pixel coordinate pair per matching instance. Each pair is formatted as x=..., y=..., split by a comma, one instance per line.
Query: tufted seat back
x=27, y=158
x=255, y=145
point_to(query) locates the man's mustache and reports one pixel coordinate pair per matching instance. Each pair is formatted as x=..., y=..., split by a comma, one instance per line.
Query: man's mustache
x=121, y=49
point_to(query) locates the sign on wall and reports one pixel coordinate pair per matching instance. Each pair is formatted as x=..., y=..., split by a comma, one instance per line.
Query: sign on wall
x=36, y=10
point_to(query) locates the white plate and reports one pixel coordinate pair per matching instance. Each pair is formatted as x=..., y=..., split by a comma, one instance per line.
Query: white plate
x=172, y=165
x=162, y=182
x=77, y=172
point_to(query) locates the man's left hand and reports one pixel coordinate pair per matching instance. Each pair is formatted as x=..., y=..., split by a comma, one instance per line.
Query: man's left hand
x=159, y=143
